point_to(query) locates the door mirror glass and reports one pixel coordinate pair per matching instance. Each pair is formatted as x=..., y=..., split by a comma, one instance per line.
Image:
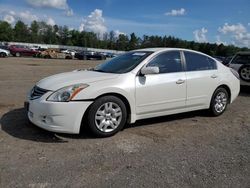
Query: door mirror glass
x=150, y=70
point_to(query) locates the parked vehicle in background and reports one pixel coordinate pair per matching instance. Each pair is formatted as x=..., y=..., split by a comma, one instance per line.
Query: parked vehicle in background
x=241, y=63
x=108, y=54
x=35, y=48
x=4, y=53
x=219, y=58
x=136, y=85
x=4, y=47
x=87, y=55
x=54, y=54
x=19, y=50
x=227, y=60
x=72, y=52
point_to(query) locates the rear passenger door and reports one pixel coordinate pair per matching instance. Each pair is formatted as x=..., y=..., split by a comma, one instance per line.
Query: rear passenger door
x=202, y=79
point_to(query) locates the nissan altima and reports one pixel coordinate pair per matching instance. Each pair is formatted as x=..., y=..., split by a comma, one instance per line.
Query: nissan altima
x=139, y=84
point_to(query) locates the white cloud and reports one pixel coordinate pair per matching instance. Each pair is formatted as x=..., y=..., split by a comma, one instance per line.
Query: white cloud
x=238, y=32
x=9, y=18
x=51, y=21
x=12, y=13
x=69, y=12
x=94, y=23
x=200, y=35
x=219, y=41
x=117, y=33
x=248, y=24
x=58, y=4
x=174, y=12
x=238, y=28
x=27, y=16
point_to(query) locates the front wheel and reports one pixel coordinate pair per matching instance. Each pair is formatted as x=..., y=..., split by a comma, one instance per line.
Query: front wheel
x=106, y=116
x=2, y=54
x=219, y=101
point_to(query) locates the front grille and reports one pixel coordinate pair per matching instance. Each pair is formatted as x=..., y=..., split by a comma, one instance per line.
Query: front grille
x=37, y=92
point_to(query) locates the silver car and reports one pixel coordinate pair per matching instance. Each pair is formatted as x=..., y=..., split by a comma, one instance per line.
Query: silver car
x=241, y=63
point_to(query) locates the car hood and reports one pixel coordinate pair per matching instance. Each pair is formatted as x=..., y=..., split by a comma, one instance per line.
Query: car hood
x=58, y=81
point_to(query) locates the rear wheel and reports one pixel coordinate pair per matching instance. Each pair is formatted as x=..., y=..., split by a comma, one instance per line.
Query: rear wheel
x=219, y=102
x=106, y=116
x=17, y=54
x=244, y=73
x=68, y=57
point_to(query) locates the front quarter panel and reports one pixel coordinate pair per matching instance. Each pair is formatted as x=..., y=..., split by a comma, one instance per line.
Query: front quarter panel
x=123, y=85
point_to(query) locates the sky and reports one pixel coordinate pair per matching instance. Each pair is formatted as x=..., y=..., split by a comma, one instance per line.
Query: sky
x=214, y=21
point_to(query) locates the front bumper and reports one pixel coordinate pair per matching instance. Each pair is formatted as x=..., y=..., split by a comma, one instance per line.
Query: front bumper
x=61, y=117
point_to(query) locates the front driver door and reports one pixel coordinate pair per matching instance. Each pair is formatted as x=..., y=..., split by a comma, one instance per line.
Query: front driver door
x=163, y=92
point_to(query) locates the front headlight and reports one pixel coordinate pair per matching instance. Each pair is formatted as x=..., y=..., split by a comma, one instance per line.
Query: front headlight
x=66, y=94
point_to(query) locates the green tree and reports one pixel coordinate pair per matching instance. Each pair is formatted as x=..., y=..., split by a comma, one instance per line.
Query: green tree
x=21, y=32
x=34, y=28
x=133, y=41
x=122, y=42
x=6, y=32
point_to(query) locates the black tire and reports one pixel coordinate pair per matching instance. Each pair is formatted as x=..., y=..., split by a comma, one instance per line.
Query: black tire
x=2, y=54
x=84, y=57
x=47, y=57
x=68, y=57
x=18, y=54
x=97, y=106
x=241, y=73
x=216, y=100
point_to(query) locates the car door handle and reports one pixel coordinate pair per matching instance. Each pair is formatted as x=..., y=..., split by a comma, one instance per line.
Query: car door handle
x=214, y=76
x=180, y=81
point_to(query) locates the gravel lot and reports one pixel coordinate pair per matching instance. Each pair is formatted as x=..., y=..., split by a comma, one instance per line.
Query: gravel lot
x=185, y=150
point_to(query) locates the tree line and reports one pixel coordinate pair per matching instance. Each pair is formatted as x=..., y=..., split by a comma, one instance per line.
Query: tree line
x=40, y=32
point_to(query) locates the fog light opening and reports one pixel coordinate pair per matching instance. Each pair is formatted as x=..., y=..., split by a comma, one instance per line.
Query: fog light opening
x=47, y=119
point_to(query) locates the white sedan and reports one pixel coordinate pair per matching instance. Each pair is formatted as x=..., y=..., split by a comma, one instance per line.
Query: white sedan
x=71, y=52
x=139, y=84
x=4, y=53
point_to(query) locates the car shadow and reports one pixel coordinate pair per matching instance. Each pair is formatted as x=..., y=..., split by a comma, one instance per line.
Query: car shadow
x=169, y=118
x=245, y=91
x=16, y=124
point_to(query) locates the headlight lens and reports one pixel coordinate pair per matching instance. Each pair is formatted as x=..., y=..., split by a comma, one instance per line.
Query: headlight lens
x=66, y=94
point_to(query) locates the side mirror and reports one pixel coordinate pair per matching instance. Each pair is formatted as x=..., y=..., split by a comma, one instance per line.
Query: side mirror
x=150, y=70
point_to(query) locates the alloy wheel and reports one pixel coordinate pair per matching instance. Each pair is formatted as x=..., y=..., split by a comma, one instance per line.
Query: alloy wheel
x=108, y=117
x=220, y=102
x=245, y=73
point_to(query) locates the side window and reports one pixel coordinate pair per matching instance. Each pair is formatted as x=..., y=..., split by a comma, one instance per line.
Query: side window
x=241, y=59
x=198, y=62
x=167, y=62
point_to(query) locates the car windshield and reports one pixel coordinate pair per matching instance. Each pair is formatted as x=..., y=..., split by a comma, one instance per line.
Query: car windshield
x=123, y=63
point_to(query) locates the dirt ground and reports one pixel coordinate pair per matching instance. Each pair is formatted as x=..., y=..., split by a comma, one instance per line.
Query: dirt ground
x=185, y=150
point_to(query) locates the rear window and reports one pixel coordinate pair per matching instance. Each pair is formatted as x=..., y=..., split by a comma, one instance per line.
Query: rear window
x=199, y=62
x=241, y=59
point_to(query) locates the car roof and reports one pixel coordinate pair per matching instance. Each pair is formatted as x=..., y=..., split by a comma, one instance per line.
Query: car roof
x=165, y=49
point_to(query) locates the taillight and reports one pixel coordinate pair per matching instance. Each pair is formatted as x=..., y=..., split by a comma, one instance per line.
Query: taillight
x=235, y=73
